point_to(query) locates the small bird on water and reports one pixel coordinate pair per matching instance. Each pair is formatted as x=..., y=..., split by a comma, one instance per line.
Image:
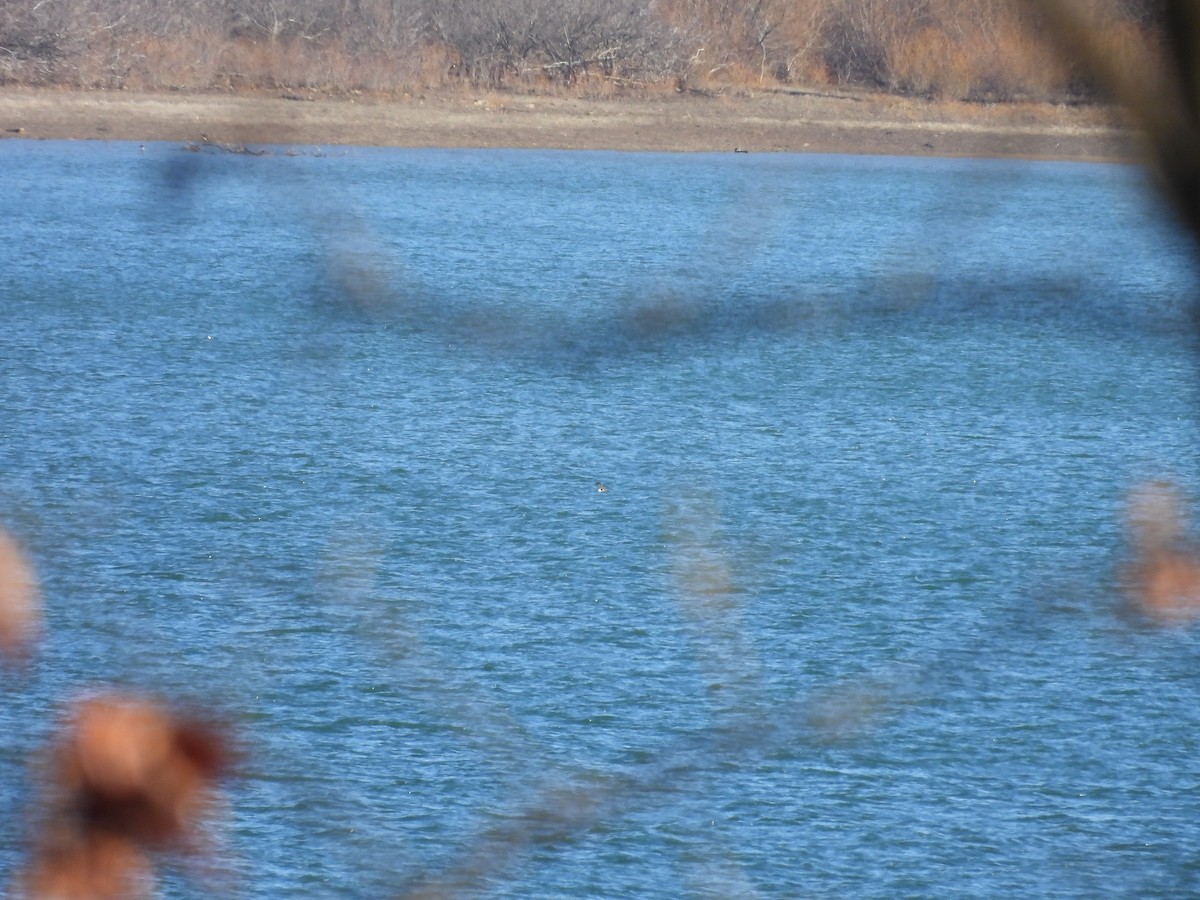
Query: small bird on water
x=601, y=487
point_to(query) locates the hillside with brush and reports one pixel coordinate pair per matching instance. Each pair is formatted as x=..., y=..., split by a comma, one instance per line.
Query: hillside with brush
x=958, y=50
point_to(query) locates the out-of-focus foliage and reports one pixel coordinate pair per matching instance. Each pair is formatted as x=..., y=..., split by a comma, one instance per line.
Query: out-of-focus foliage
x=127, y=778
x=1162, y=580
x=20, y=612
x=1163, y=99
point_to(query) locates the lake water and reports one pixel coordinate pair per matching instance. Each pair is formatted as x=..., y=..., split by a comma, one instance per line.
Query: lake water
x=314, y=441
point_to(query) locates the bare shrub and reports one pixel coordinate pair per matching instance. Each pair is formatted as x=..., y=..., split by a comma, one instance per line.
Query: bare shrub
x=798, y=53
x=432, y=63
x=859, y=35
x=605, y=36
x=1013, y=63
x=741, y=42
x=38, y=40
x=931, y=63
x=275, y=20
x=501, y=40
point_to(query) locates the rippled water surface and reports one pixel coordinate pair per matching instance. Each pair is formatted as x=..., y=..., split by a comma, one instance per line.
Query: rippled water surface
x=314, y=441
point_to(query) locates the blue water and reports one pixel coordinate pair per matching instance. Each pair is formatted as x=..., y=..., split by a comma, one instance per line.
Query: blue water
x=313, y=442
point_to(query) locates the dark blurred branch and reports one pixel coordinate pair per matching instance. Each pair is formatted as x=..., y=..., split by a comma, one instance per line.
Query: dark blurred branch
x=564, y=811
x=1164, y=107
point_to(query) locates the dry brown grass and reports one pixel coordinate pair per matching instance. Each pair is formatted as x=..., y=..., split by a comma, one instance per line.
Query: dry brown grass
x=1005, y=65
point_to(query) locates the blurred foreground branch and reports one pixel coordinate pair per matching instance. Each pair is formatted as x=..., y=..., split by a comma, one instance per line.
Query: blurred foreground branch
x=20, y=606
x=127, y=778
x=1163, y=103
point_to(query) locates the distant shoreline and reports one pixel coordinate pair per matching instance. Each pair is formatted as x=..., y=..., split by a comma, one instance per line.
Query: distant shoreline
x=779, y=121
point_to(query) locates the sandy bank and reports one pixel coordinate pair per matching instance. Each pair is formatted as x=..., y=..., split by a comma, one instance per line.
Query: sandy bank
x=781, y=121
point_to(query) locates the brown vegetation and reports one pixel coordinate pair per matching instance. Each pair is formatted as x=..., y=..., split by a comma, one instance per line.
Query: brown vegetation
x=975, y=50
x=126, y=779
x=1162, y=580
x=20, y=612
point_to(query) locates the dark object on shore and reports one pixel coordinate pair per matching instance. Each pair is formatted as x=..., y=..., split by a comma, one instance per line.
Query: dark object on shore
x=207, y=144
